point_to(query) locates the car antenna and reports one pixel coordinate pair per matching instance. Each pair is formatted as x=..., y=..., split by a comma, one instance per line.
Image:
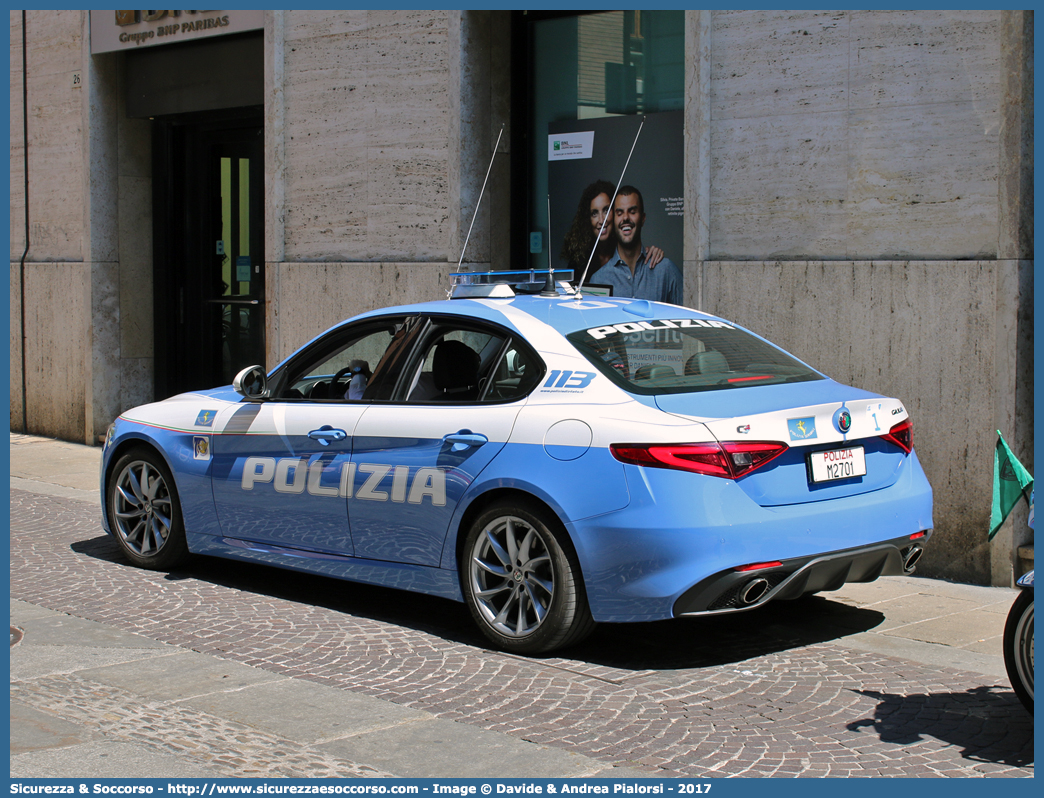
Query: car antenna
x=549, y=283
x=612, y=204
x=474, y=216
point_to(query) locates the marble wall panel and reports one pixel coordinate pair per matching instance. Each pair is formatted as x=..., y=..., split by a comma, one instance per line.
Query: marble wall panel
x=408, y=74
x=696, y=230
x=925, y=56
x=307, y=23
x=923, y=179
x=327, y=206
x=135, y=272
x=14, y=77
x=778, y=186
x=692, y=284
x=402, y=23
x=57, y=318
x=55, y=37
x=314, y=296
x=912, y=99
x=15, y=360
x=326, y=92
x=55, y=175
x=366, y=127
x=408, y=202
x=101, y=152
x=55, y=167
x=16, y=198
x=767, y=63
x=1015, y=179
x=137, y=378
x=479, y=87
x=924, y=332
x=103, y=405
x=499, y=88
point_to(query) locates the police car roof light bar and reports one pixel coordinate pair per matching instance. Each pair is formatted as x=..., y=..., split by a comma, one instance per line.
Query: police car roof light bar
x=478, y=204
x=504, y=284
x=612, y=204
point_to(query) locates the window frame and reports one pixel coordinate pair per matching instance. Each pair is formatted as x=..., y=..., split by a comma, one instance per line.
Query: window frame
x=464, y=323
x=627, y=384
x=332, y=342
x=411, y=358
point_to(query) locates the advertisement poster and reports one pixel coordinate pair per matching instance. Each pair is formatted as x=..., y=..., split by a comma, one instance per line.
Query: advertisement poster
x=584, y=151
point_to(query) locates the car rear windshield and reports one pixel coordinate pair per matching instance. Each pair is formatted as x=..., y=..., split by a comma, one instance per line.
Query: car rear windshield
x=662, y=356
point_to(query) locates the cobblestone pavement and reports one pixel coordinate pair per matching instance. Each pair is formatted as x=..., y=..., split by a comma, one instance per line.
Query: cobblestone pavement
x=225, y=749
x=773, y=692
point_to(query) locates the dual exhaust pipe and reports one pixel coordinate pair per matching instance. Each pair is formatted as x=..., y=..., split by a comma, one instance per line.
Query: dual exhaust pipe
x=755, y=589
x=911, y=557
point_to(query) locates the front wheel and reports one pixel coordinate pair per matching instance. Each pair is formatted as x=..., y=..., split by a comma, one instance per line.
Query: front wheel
x=144, y=511
x=1018, y=647
x=522, y=580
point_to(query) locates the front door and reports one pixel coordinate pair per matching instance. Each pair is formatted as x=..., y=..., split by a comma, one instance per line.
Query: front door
x=209, y=252
x=283, y=469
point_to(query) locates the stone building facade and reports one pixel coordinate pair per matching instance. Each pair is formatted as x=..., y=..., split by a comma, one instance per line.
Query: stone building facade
x=858, y=189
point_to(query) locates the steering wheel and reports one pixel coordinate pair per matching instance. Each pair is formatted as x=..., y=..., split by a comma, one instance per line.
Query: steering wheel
x=335, y=392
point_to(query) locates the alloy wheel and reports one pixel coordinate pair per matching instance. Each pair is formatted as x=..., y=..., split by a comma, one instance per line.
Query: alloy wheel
x=142, y=508
x=512, y=576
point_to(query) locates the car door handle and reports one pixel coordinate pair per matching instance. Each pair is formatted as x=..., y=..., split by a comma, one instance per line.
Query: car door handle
x=464, y=439
x=326, y=433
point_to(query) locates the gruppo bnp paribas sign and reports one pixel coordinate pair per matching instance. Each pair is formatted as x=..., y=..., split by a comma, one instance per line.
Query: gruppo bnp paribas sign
x=126, y=30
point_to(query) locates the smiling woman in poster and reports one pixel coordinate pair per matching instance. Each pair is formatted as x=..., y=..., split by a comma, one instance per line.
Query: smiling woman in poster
x=590, y=212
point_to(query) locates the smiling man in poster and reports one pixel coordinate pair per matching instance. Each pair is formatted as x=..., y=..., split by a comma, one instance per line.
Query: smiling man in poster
x=628, y=271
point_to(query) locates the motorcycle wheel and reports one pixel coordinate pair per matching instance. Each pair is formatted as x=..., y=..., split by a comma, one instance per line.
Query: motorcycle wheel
x=1018, y=647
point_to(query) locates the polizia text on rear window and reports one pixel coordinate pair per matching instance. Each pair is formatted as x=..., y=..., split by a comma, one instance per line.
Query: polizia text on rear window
x=662, y=356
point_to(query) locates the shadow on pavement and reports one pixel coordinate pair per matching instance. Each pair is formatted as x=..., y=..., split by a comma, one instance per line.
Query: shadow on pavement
x=989, y=724
x=701, y=642
x=663, y=645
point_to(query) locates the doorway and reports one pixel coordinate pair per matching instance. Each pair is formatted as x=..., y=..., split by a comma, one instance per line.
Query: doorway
x=208, y=237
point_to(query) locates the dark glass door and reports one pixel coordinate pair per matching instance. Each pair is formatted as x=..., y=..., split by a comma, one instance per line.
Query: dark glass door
x=209, y=253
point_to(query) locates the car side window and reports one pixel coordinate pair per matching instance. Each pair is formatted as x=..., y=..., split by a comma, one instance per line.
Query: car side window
x=517, y=372
x=349, y=365
x=454, y=364
x=469, y=364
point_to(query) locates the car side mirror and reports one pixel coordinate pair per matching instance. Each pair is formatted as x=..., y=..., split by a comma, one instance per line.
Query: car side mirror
x=252, y=382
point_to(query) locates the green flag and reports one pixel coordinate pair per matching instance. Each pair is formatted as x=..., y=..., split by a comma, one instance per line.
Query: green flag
x=1010, y=481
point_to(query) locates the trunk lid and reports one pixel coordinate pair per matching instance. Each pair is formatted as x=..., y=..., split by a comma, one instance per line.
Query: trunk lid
x=807, y=418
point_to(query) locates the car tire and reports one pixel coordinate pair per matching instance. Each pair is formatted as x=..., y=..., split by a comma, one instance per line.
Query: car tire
x=522, y=580
x=144, y=511
x=1018, y=647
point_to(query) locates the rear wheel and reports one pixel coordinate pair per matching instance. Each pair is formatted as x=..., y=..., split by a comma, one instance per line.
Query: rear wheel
x=144, y=511
x=1018, y=647
x=522, y=580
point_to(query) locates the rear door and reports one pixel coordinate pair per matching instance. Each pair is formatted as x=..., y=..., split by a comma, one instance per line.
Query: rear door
x=414, y=460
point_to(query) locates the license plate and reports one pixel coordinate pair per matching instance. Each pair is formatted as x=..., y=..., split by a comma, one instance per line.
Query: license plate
x=837, y=464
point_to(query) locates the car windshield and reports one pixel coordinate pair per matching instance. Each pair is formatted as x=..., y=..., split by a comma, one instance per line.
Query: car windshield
x=663, y=356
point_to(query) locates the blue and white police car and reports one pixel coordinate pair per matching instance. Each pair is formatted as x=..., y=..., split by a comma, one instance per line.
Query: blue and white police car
x=553, y=460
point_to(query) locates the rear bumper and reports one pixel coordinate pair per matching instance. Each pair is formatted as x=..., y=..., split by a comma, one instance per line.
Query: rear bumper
x=681, y=532
x=733, y=591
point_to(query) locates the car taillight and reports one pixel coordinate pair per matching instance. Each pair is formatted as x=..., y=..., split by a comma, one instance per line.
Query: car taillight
x=730, y=459
x=901, y=435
